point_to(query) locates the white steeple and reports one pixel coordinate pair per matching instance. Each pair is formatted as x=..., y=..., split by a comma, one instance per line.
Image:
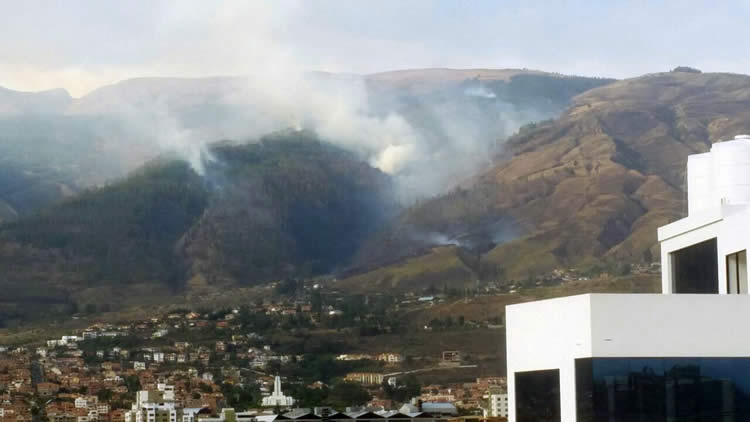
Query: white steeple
x=277, y=386
x=277, y=398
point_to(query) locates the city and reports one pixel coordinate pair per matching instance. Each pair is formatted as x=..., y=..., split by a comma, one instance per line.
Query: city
x=374, y=211
x=209, y=362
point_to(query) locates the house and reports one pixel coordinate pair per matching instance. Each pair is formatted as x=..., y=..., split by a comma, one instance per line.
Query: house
x=452, y=356
x=355, y=356
x=155, y=406
x=672, y=356
x=47, y=389
x=117, y=415
x=497, y=403
x=391, y=357
x=81, y=402
x=367, y=378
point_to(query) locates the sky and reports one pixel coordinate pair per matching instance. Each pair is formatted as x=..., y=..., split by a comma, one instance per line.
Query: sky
x=81, y=45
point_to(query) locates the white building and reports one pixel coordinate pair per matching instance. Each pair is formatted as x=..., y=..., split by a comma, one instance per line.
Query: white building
x=277, y=398
x=83, y=402
x=391, y=357
x=153, y=406
x=498, y=405
x=651, y=357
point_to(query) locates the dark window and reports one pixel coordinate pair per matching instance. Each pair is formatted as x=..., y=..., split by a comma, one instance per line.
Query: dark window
x=663, y=389
x=695, y=268
x=737, y=273
x=538, y=396
x=585, y=389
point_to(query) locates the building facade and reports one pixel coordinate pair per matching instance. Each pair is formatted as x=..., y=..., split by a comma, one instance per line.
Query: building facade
x=675, y=356
x=155, y=406
x=277, y=398
x=366, y=378
x=498, y=405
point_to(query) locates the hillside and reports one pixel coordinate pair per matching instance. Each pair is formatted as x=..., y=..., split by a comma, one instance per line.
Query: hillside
x=76, y=236
x=24, y=190
x=286, y=206
x=40, y=103
x=452, y=117
x=107, y=242
x=45, y=158
x=289, y=206
x=591, y=185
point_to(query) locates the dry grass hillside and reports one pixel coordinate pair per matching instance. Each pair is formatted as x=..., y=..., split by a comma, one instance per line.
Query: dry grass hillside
x=594, y=184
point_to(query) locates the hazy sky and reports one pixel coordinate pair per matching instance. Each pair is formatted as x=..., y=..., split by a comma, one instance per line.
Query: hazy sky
x=80, y=45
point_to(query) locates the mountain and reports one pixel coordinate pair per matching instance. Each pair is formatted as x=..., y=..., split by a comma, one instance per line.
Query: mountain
x=448, y=116
x=23, y=190
x=142, y=94
x=590, y=186
x=93, y=213
x=27, y=181
x=45, y=102
x=116, y=240
x=288, y=205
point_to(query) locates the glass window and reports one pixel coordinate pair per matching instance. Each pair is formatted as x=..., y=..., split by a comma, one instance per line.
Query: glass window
x=737, y=273
x=538, y=396
x=695, y=268
x=663, y=389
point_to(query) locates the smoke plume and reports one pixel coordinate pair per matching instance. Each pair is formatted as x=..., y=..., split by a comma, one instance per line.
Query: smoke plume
x=427, y=135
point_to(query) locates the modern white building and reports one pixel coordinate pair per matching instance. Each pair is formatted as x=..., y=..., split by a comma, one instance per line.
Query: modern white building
x=676, y=356
x=155, y=406
x=277, y=398
x=497, y=404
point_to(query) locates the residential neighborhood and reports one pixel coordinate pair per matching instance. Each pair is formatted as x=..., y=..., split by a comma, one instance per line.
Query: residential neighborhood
x=199, y=365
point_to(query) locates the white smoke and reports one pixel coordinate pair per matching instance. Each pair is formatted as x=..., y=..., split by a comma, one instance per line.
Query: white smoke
x=479, y=91
x=393, y=158
x=427, y=142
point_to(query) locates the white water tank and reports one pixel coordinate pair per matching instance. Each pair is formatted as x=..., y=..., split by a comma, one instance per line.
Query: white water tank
x=731, y=166
x=700, y=183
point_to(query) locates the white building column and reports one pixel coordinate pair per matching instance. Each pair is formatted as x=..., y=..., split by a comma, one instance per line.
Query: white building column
x=721, y=261
x=568, y=392
x=666, y=271
x=511, y=381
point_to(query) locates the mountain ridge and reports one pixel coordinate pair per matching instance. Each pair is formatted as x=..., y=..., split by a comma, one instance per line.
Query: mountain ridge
x=116, y=128
x=454, y=74
x=590, y=186
x=258, y=215
x=256, y=229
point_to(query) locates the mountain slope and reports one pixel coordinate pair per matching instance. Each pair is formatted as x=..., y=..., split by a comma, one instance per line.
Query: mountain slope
x=451, y=116
x=25, y=189
x=45, y=102
x=283, y=208
x=106, y=245
x=593, y=184
x=286, y=206
x=122, y=233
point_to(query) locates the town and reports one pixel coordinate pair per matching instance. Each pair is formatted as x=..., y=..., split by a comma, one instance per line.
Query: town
x=206, y=363
x=334, y=353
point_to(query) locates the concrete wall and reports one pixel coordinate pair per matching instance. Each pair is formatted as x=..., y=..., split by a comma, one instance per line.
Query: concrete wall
x=652, y=325
x=551, y=334
x=731, y=228
x=548, y=334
